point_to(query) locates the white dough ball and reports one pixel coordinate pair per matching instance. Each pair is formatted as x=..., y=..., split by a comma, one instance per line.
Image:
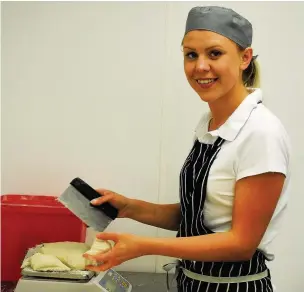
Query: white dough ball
x=99, y=246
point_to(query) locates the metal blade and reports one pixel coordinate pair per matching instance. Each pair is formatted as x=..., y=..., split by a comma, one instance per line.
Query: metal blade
x=80, y=206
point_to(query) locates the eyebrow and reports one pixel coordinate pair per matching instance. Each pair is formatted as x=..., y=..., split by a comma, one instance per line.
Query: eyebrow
x=188, y=48
x=211, y=47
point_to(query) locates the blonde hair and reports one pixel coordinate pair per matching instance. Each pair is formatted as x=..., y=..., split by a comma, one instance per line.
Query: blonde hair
x=251, y=76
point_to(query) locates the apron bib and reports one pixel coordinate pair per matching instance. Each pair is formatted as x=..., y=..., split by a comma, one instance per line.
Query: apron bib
x=193, y=186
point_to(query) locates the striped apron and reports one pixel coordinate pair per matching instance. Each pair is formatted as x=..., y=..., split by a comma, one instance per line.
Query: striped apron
x=193, y=185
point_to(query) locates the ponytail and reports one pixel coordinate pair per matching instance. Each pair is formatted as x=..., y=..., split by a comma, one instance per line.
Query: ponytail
x=251, y=76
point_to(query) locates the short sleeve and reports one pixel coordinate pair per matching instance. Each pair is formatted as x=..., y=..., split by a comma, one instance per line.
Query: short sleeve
x=264, y=150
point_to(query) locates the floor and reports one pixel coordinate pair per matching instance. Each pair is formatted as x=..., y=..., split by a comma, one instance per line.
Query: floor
x=141, y=282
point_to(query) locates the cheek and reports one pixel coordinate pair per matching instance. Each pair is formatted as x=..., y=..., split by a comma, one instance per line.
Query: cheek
x=229, y=73
x=188, y=69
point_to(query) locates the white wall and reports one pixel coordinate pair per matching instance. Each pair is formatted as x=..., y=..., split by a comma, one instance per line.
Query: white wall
x=82, y=93
x=97, y=90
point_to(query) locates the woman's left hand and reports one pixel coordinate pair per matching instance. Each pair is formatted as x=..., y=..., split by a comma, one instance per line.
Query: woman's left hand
x=126, y=247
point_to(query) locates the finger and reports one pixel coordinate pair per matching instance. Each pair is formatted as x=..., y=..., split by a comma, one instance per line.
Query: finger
x=98, y=257
x=88, y=256
x=108, y=236
x=102, y=200
x=92, y=268
x=100, y=268
x=103, y=257
x=105, y=266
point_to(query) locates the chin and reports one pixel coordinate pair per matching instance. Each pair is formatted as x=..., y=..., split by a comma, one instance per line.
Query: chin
x=208, y=96
x=205, y=94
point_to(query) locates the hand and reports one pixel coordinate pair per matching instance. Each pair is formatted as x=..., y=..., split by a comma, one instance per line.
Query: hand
x=126, y=247
x=118, y=201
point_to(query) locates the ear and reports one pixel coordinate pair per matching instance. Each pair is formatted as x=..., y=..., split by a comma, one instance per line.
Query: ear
x=246, y=57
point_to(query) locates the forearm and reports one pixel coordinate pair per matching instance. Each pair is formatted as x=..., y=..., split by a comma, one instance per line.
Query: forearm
x=165, y=216
x=213, y=247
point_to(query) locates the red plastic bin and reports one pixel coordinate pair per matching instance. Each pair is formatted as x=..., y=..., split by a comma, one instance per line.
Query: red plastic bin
x=30, y=220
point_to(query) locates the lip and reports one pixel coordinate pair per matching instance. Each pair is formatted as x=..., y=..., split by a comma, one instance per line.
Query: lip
x=206, y=78
x=208, y=85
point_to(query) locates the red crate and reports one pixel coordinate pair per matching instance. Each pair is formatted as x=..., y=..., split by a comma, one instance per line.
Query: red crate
x=30, y=220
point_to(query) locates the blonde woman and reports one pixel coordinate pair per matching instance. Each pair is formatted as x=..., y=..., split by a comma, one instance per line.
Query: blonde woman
x=234, y=182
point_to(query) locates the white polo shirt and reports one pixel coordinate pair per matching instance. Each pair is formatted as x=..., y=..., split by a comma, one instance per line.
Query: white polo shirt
x=255, y=142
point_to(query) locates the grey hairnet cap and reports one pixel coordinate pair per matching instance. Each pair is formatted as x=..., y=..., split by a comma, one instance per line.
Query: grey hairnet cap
x=223, y=21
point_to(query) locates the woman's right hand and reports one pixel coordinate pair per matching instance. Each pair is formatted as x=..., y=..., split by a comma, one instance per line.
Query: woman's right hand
x=120, y=202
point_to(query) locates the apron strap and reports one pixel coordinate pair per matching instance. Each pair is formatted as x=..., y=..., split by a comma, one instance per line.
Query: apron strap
x=209, y=279
x=168, y=267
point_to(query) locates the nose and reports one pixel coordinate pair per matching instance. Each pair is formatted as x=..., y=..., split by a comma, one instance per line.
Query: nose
x=202, y=64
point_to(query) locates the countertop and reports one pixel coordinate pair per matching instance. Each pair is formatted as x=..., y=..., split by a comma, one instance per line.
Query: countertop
x=141, y=282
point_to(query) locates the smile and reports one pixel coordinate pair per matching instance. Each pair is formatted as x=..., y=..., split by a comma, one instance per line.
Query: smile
x=206, y=83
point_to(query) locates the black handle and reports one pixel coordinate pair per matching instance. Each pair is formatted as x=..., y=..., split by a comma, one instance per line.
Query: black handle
x=91, y=194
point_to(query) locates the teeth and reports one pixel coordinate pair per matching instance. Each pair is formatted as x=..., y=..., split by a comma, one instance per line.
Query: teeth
x=205, y=81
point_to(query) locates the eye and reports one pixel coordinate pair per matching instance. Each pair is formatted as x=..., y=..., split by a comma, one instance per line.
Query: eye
x=191, y=55
x=215, y=54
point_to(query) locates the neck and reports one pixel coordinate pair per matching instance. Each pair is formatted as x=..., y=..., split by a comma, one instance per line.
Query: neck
x=222, y=108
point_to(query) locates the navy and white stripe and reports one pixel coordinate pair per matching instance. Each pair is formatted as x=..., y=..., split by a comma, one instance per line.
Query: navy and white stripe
x=193, y=186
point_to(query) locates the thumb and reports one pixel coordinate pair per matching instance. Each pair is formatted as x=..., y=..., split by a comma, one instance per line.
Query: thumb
x=108, y=236
x=102, y=199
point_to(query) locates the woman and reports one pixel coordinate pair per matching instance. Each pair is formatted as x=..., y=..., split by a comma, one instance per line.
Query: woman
x=233, y=184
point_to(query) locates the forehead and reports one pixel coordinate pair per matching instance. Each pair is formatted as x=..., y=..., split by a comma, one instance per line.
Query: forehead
x=203, y=39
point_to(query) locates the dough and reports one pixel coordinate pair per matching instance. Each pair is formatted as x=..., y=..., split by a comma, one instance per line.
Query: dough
x=99, y=246
x=44, y=262
x=61, y=249
x=65, y=256
x=76, y=261
x=69, y=253
x=26, y=263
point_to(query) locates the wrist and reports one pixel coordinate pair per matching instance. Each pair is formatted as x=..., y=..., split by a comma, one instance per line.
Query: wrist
x=129, y=209
x=146, y=246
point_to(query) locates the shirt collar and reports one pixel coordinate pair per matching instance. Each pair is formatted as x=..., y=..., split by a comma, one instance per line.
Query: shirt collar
x=230, y=129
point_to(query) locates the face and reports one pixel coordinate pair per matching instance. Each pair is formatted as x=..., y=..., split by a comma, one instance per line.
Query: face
x=213, y=64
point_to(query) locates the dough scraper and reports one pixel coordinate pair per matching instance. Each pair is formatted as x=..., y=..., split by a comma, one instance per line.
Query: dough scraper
x=77, y=198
